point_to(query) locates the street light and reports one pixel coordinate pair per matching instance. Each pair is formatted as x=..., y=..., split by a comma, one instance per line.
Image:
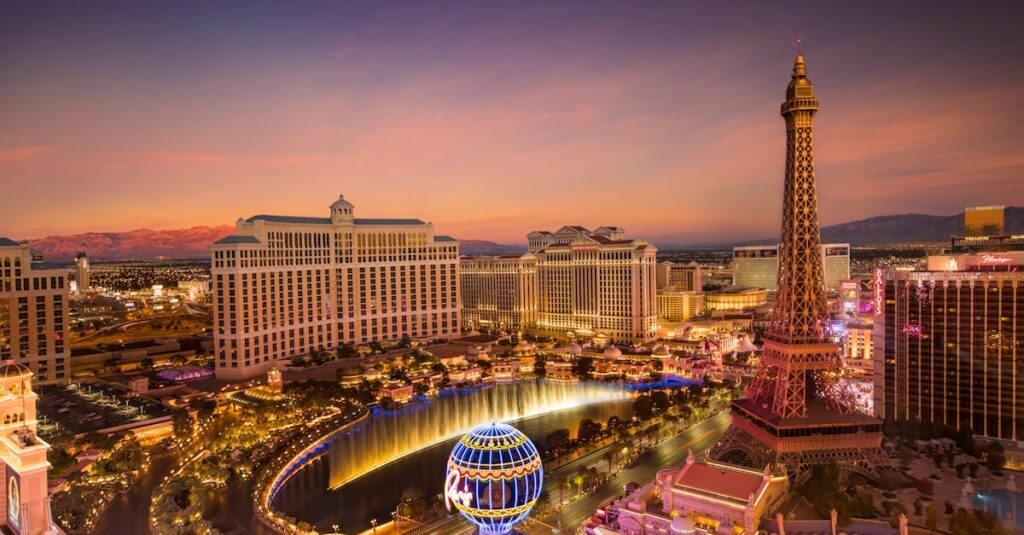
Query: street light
x=373, y=522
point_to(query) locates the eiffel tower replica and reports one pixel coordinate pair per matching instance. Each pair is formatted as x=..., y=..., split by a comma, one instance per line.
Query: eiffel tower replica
x=798, y=411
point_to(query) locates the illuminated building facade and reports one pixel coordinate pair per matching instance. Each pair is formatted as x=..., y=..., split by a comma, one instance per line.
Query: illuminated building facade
x=499, y=292
x=26, y=504
x=736, y=298
x=682, y=277
x=947, y=343
x=595, y=282
x=82, y=272
x=285, y=285
x=757, y=266
x=678, y=306
x=858, y=347
x=34, y=302
x=573, y=281
x=680, y=294
x=984, y=221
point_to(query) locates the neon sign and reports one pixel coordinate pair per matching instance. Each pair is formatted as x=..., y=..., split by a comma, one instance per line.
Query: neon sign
x=879, y=290
x=453, y=495
x=994, y=260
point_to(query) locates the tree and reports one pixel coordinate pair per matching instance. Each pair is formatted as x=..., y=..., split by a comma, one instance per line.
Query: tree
x=181, y=424
x=557, y=440
x=204, y=408
x=405, y=342
x=540, y=369
x=610, y=456
x=583, y=368
x=375, y=347
x=588, y=431
x=146, y=363
x=578, y=481
x=346, y=351
x=863, y=505
x=995, y=456
x=643, y=408
x=178, y=359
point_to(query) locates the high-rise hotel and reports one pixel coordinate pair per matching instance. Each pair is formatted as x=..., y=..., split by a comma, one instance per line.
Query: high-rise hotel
x=572, y=281
x=34, y=306
x=757, y=266
x=286, y=285
x=947, y=340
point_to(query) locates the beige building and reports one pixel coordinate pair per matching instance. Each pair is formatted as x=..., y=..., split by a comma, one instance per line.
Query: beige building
x=573, y=281
x=682, y=277
x=499, y=292
x=596, y=282
x=34, y=305
x=23, y=463
x=284, y=285
x=736, y=298
x=680, y=294
x=82, y=272
x=676, y=306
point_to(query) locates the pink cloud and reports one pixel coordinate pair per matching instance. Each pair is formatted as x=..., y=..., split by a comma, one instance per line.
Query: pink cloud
x=11, y=155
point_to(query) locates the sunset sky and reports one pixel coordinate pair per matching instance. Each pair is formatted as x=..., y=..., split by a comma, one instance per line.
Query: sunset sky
x=494, y=118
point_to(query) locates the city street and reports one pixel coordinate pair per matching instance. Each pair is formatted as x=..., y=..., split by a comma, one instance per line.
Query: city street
x=671, y=452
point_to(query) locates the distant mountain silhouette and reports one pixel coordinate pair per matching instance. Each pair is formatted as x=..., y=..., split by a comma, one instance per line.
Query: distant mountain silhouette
x=132, y=245
x=195, y=242
x=144, y=244
x=882, y=229
x=488, y=248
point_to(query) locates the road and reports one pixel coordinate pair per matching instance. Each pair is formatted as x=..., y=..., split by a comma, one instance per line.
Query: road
x=672, y=452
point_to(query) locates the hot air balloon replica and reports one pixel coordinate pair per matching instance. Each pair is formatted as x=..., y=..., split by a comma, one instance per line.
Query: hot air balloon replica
x=494, y=478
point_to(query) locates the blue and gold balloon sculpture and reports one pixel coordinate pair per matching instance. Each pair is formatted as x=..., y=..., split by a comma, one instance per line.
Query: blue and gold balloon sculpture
x=494, y=477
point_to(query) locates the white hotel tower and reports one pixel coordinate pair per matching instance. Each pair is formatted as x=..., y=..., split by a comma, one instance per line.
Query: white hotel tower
x=285, y=285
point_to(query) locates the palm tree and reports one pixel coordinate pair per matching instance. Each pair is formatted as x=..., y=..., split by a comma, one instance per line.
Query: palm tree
x=609, y=457
x=578, y=480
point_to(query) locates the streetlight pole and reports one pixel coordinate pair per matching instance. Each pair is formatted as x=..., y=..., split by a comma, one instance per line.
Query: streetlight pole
x=373, y=522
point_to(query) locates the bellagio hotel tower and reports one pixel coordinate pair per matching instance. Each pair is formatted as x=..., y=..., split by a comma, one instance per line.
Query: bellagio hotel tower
x=286, y=285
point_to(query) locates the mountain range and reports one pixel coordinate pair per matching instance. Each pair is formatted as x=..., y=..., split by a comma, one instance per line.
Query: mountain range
x=194, y=242
x=901, y=228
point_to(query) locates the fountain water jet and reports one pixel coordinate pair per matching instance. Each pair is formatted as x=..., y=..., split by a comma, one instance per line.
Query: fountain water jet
x=388, y=436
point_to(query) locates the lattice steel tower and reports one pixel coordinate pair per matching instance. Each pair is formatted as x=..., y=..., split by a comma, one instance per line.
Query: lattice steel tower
x=798, y=410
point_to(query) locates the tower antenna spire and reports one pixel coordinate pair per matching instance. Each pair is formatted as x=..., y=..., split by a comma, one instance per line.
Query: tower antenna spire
x=799, y=45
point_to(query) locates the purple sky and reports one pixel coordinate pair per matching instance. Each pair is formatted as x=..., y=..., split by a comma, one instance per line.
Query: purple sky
x=494, y=118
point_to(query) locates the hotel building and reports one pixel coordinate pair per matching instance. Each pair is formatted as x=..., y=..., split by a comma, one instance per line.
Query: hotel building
x=678, y=306
x=499, y=292
x=82, y=272
x=946, y=340
x=34, y=306
x=583, y=283
x=680, y=294
x=682, y=277
x=757, y=266
x=285, y=285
